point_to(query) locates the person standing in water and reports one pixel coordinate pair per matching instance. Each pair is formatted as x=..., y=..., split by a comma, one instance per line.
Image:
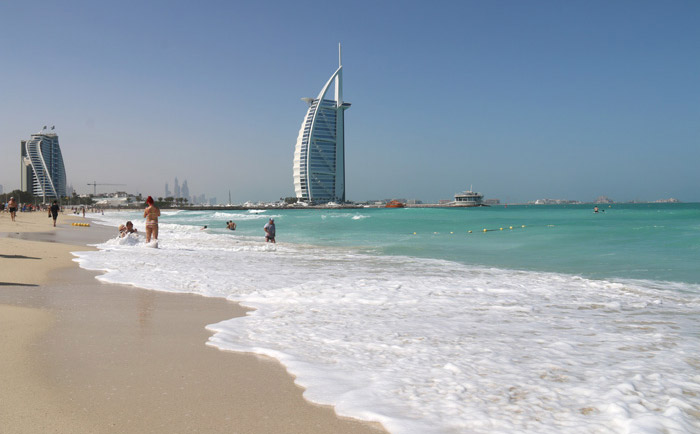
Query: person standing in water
x=151, y=213
x=270, y=232
x=53, y=212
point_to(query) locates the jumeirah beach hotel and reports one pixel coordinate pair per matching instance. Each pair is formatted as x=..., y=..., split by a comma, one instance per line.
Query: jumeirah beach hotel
x=43, y=171
x=319, y=155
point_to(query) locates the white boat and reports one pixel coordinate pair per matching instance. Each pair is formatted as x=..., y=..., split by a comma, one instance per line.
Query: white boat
x=468, y=198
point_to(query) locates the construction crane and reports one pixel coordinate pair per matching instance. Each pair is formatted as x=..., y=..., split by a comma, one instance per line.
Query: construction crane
x=95, y=184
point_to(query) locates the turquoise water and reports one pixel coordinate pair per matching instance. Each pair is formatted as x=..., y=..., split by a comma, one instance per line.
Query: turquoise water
x=640, y=241
x=576, y=322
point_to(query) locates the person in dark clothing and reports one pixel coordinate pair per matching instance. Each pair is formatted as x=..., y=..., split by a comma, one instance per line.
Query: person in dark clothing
x=53, y=211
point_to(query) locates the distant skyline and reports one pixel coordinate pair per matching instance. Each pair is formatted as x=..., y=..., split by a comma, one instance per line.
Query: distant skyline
x=522, y=100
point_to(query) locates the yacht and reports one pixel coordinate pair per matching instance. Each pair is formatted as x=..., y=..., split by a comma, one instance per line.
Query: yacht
x=468, y=198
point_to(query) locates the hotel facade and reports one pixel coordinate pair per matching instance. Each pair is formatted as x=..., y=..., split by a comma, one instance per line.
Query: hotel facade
x=319, y=154
x=42, y=170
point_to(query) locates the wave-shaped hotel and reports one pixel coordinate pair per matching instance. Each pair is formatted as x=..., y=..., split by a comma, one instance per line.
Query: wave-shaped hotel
x=319, y=155
x=43, y=172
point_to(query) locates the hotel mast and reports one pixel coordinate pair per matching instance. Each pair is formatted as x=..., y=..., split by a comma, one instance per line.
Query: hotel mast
x=319, y=155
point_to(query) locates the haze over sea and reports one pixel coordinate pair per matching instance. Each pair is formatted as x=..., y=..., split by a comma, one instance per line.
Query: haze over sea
x=569, y=322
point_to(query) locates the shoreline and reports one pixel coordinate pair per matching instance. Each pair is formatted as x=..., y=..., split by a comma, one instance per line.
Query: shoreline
x=85, y=356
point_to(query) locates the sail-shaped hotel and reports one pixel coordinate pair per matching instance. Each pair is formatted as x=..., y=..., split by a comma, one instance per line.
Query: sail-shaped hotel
x=319, y=155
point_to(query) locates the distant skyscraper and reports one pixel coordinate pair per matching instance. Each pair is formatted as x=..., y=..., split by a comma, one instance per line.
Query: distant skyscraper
x=185, y=190
x=167, y=190
x=319, y=155
x=176, y=187
x=43, y=172
x=1, y=189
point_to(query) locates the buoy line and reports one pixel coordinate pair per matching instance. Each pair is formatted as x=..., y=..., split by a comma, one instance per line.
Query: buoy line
x=492, y=230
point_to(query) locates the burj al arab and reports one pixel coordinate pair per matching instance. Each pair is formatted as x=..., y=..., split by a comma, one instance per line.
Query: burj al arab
x=319, y=154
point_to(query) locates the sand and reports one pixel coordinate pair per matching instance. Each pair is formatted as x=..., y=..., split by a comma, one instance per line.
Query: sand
x=80, y=356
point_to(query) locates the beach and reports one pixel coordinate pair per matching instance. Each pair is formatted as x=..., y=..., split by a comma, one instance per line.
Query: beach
x=562, y=321
x=82, y=356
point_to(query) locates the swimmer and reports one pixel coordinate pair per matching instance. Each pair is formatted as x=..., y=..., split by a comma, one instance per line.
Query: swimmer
x=126, y=230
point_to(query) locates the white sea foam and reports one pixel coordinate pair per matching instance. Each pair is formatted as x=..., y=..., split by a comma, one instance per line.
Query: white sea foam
x=226, y=216
x=344, y=216
x=173, y=212
x=426, y=345
x=128, y=240
x=240, y=216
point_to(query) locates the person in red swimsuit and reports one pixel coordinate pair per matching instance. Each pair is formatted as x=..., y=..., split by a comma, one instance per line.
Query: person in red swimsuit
x=151, y=213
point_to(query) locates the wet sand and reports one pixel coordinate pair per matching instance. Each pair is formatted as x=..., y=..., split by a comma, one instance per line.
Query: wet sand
x=81, y=356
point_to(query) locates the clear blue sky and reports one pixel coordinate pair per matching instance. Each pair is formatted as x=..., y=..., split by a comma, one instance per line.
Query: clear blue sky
x=522, y=99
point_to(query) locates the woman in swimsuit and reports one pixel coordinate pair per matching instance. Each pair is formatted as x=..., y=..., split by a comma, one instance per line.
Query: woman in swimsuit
x=151, y=213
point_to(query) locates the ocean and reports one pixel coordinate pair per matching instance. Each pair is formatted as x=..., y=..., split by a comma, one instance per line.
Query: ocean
x=554, y=320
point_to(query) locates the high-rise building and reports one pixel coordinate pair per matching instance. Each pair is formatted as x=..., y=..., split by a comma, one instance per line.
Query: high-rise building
x=176, y=187
x=167, y=190
x=185, y=190
x=43, y=172
x=319, y=155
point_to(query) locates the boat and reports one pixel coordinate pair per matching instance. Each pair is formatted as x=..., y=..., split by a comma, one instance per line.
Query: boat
x=468, y=198
x=395, y=204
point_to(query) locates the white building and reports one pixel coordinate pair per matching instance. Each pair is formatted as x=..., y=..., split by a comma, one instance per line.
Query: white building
x=43, y=172
x=319, y=154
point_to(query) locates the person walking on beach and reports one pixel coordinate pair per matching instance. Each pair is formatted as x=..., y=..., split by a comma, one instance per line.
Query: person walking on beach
x=270, y=231
x=12, y=207
x=53, y=211
x=151, y=213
